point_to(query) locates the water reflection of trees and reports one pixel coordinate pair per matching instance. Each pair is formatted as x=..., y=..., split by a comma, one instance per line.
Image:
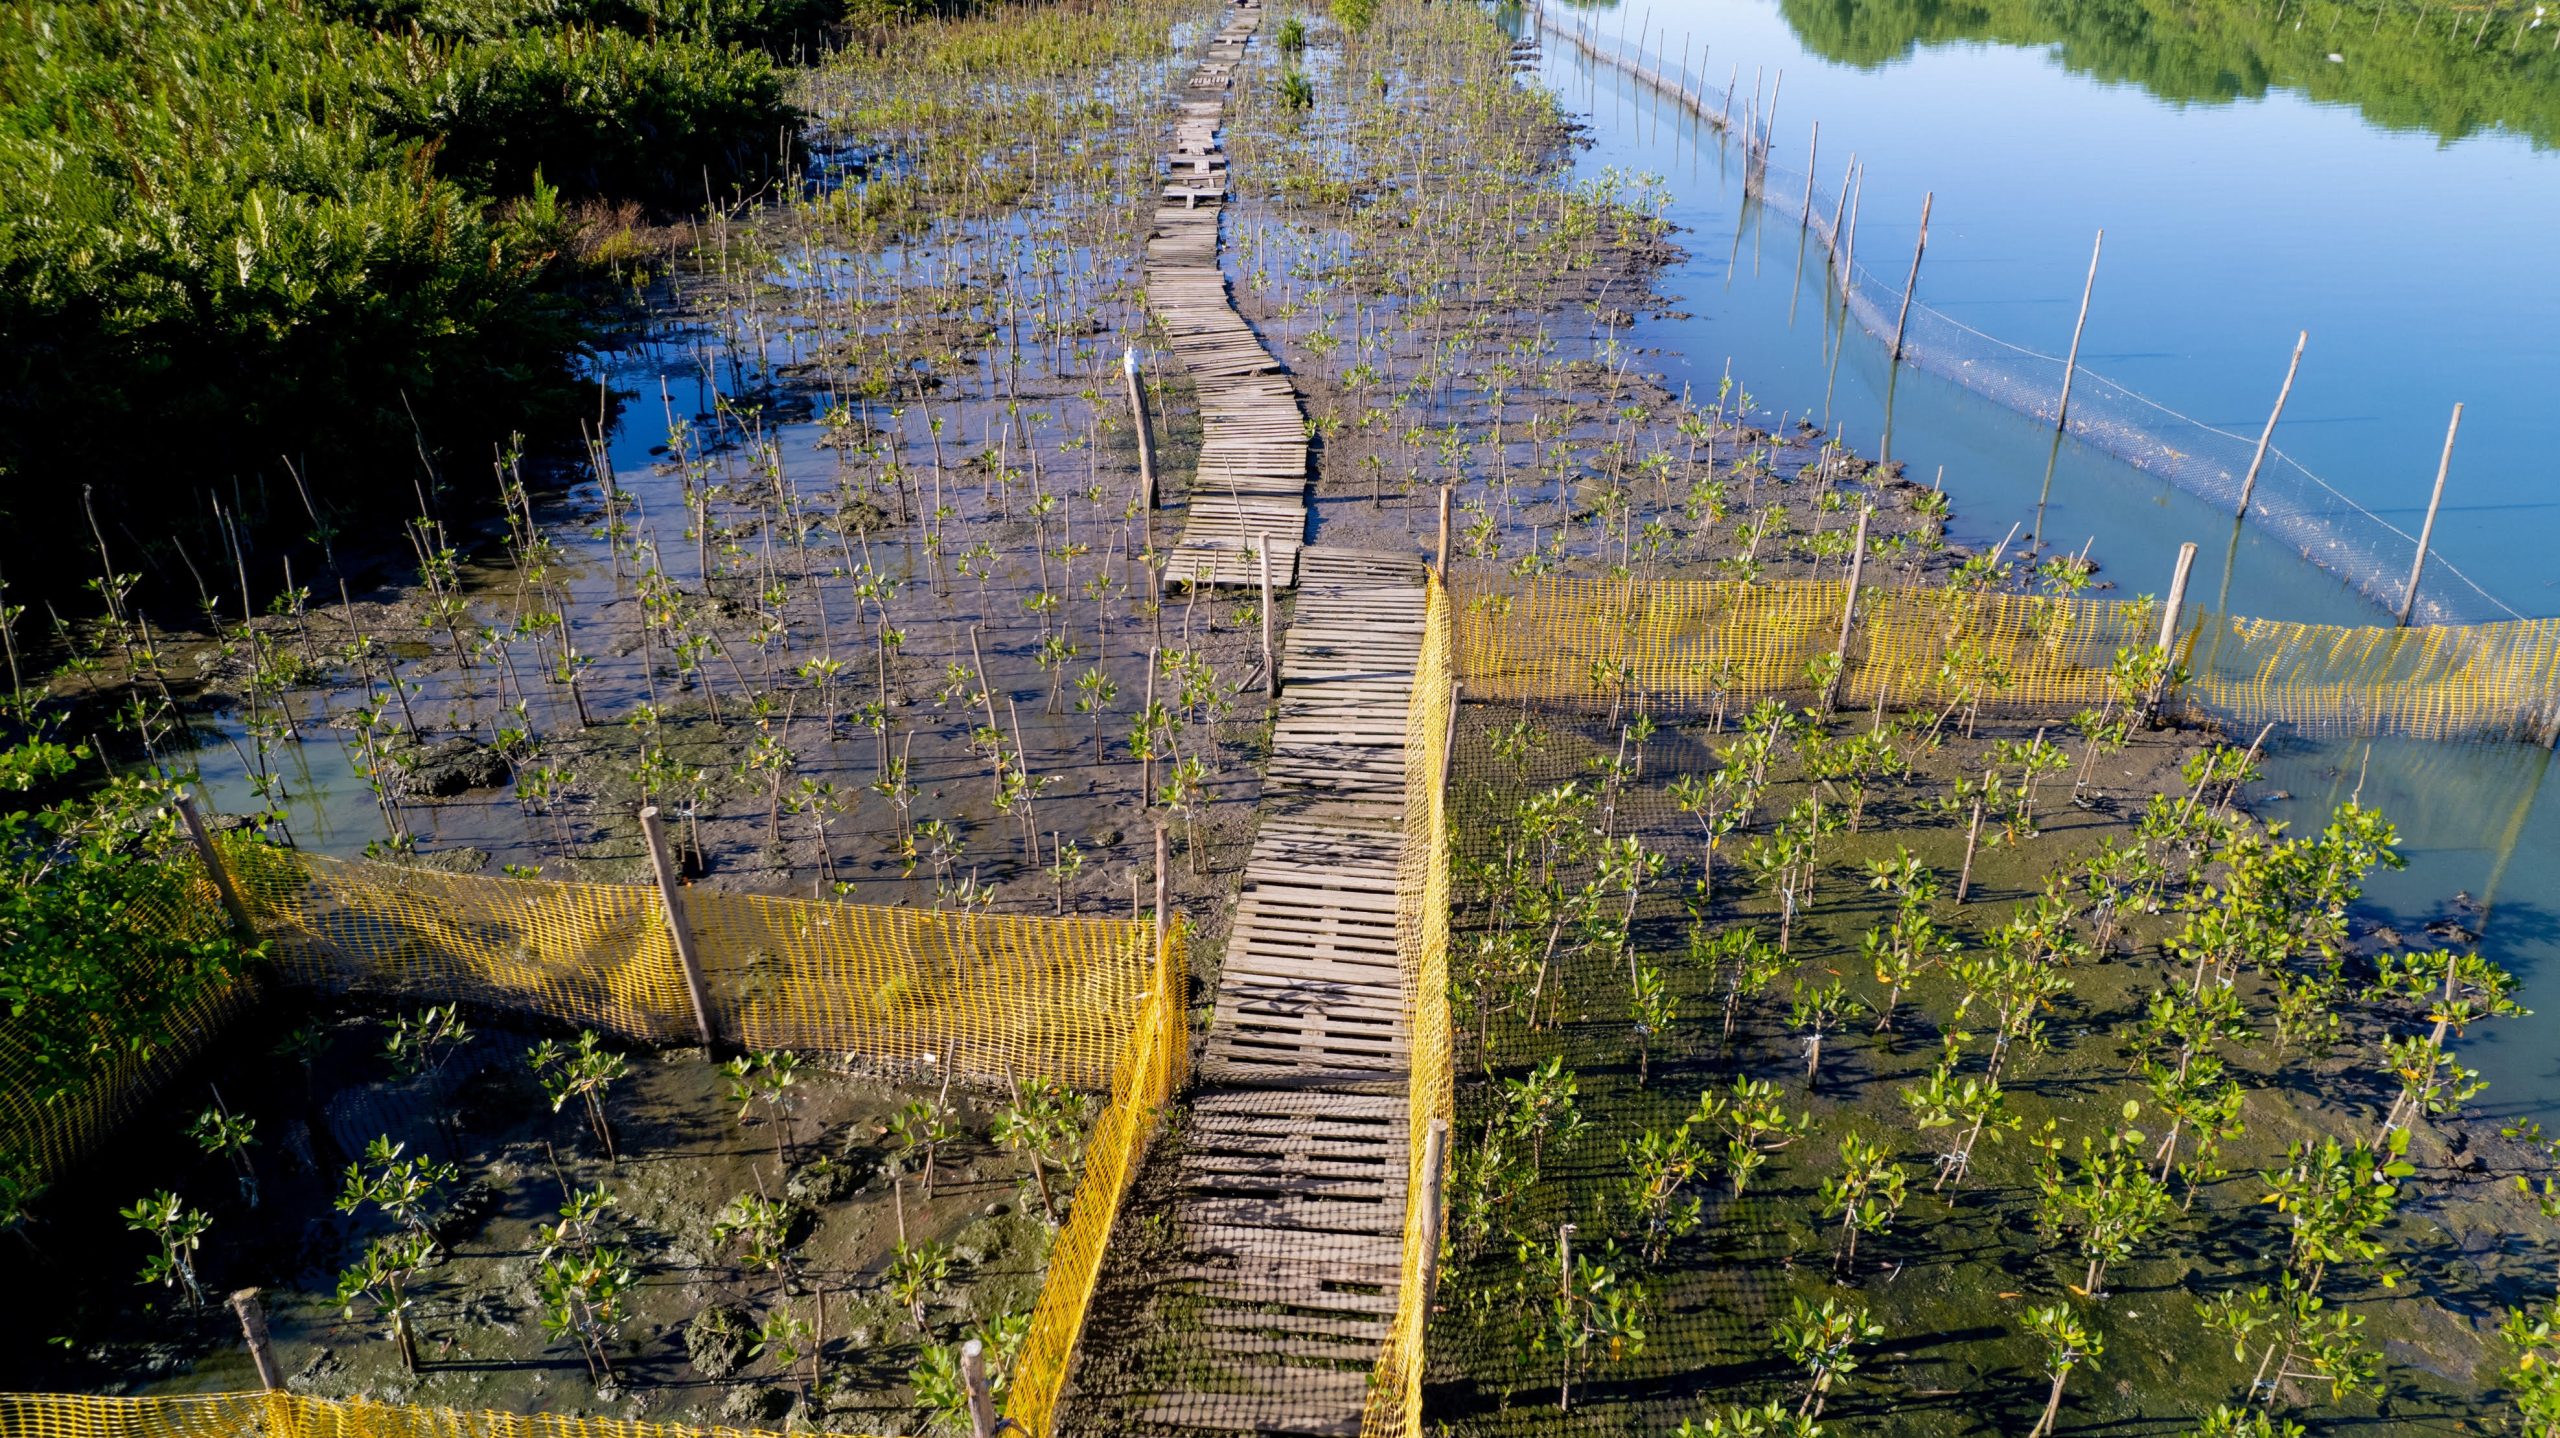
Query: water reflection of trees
x=2437, y=71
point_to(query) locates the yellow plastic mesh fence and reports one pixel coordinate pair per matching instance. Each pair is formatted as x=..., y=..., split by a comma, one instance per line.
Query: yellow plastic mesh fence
x=1690, y=643
x=1422, y=941
x=992, y=994
x=1152, y=1069
x=291, y=1415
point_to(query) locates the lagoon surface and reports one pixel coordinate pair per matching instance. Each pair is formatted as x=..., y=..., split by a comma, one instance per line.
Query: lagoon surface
x=2399, y=203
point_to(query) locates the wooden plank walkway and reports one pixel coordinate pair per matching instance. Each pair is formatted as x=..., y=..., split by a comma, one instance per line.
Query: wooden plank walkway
x=1249, y=492
x=1288, y=1184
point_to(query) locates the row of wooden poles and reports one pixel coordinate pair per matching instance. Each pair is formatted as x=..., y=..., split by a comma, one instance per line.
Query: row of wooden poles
x=1843, y=247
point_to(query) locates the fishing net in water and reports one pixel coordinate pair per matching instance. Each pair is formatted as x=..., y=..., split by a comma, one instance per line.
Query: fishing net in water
x=2325, y=527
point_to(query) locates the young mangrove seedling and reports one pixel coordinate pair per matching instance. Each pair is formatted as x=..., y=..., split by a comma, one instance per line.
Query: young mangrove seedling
x=1865, y=1196
x=921, y=1128
x=582, y=1071
x=1823, y=1342
x=2112, y=1202
x=382, y=1278
x=419, y=1044
x=403, y=1188
x=767, y=1079
x=179, y=1231
x=1045, y=1124
x=1769, y=1420
x=218, y=1130
x=2067, y=1345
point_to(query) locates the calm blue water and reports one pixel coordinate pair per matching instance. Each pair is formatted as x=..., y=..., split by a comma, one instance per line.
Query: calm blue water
x=2406, y=226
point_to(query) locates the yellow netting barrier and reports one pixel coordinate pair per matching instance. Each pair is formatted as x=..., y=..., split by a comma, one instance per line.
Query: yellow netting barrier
x=1422, y=942
x=992, y=994
x=1153, y=1069
x=1087, y=1002
x=1692, y=643
x=292, y=1415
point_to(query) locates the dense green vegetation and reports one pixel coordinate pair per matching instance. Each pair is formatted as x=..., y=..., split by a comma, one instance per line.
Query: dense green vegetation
x=234, y=232
x=2449, y=71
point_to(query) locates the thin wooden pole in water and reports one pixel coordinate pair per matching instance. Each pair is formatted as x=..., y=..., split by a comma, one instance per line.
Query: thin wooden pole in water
x=2250, y=483
x=2071, y=366
x=1903, y=320
x=2426, y=531
x=1812, y=153
x=1138, y=415
x=2169, y=627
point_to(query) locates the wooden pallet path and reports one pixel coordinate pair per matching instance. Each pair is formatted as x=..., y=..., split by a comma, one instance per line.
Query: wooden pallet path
x=1289, y=1180
x=1249, y=491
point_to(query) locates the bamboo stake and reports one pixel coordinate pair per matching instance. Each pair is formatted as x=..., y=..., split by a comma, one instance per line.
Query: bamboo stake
x=1443, y=564
x=1848, y=609
x=662, y=861
x=215, y=870
x=973, y=1376
x=1270, y=656
x=2427, y=531
x=1902, y=321
x=2250, y=482
x=253, y=1328
x=1435, y=1157
x=2071, y=366
x=1138, y=414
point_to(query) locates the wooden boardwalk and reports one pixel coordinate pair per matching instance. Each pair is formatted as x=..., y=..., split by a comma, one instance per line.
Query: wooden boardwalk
x=1289, y=1179
x=1287, y=1183
x=1249, y=492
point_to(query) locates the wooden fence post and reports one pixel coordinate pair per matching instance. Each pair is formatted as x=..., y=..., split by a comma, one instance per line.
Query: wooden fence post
x=2071, y=366
x=2250, y=482
x=2427, y=531
x=2169, y=628
x=214, y=869
x=1442, y=563
x=1848, y=610
x=1138, y=413
x=1270, y=655
x=662, y=861
x=1903, y=320
x=1435, y=1162
x=973, y=1376
x=253, y=1327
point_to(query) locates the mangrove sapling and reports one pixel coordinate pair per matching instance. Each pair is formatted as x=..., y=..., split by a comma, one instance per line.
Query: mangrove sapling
x=1971, y=1108
x=2068, y=1344
x=1543, y=1107
x=179, y=1230
x=2015, y=988
x=1046, y=1126
x=583, y=1071
x=1866, y=1195
x=2532, y=1376
x=2334, y=1197
x=1817, y=1010
x=779, y=1338
x=1592, y=1306
x=218, y=1130
x=766, y=1079
x=1755, y=1125
x=2226, y=1421
x=1770, y=1420
x=920, y=1128
x=916, y=1272
x=403, y=1188
x=382, y=1277
x=1661, y=1164
x=1823, y=1342
x=419, y=1044
x=2456, y=989
x=2110, y=1203
x=1739, y=962
x=2307, y=1341
x=582, y=1300
x=1654, y=1009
